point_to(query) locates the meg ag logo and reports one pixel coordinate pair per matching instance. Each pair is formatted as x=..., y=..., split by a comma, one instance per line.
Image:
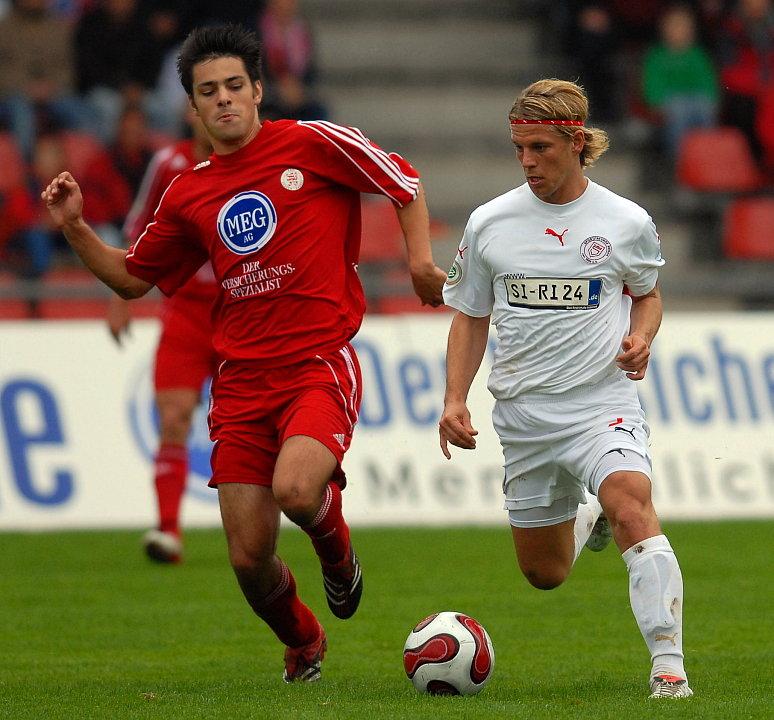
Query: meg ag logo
x=247, y=222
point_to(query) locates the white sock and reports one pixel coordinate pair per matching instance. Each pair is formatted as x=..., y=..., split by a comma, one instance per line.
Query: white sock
x=656, y=595
x=584, y=522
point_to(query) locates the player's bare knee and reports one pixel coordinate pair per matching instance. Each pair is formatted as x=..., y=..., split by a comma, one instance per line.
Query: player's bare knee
x=545, y=578
x=297, y=502
x=633, y=522
x=249, y=561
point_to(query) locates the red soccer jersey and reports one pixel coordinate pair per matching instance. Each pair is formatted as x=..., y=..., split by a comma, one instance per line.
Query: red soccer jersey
x=280, y=221
x=163, y=168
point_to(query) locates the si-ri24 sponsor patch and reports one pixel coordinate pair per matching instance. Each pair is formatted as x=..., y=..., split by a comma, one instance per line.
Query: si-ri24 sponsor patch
x=554, y=293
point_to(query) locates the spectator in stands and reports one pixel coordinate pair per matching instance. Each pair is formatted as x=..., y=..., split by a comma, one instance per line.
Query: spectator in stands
x=133, y=147
x=167, y=22
x=109, y=190
x=71, y=10
x=289, y=63
x=595, y=46
x=764, y=127
x=119, y=51
x=25, y=249
x=37, y=77
x=679, y=79
x=242, y=12
x=747, y=64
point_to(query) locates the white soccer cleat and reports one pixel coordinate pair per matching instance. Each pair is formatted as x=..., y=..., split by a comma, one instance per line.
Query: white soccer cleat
x=163, y=547
x=601, y=534
x=669, y=686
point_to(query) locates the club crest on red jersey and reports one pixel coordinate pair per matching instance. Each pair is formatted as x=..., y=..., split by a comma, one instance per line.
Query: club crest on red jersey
x=247, y=222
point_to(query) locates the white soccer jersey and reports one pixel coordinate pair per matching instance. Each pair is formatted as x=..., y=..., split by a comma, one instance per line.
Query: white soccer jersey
x=552, y=277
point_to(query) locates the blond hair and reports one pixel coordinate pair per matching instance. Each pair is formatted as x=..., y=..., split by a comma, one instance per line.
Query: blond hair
x=553, y=99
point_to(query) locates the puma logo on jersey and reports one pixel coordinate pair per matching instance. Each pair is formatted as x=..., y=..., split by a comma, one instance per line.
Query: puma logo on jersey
x=558, y=236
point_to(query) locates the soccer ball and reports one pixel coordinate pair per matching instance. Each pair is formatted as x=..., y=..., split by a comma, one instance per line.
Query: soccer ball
x=449, y=653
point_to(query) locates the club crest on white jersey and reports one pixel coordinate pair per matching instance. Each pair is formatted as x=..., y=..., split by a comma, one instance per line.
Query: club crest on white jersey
x=596, y=249
x=247, y=222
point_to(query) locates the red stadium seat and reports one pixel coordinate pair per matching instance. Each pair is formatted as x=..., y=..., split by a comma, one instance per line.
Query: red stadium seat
x=14, y=309
x=73, y=309
x=382, y=237
x=717, y=160
x=747, y=229
x=12, y=165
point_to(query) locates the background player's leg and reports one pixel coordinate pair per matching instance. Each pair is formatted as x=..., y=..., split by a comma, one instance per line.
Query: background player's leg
x=655, y=580
x=176, y=408
x=251, y=521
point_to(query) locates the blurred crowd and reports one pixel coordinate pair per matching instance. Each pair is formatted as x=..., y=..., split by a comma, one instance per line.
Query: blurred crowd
x=91, y=86
x=678, y=65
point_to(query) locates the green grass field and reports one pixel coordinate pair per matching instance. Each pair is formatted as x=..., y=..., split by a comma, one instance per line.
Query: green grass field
x=90, y=629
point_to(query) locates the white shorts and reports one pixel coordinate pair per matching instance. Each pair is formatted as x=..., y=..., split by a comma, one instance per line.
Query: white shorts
x=557, y=446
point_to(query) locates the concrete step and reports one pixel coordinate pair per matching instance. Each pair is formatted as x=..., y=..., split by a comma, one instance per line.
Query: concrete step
x=362, y=50
x=346, y=11
x=435, y=118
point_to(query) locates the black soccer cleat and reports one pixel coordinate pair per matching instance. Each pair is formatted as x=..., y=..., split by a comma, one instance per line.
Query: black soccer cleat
x=343, y=584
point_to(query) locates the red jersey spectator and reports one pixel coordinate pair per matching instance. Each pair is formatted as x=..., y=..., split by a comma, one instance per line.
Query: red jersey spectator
x=747, y=64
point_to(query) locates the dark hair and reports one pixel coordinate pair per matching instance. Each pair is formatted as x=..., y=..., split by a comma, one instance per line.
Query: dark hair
x=214, y=41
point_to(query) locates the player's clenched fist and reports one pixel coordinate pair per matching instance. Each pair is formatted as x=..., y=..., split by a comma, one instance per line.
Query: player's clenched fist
x=63, y=199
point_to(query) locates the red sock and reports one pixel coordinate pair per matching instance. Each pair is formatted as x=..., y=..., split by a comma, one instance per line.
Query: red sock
x=328, y=530
x=292, y=621
x=171, y=474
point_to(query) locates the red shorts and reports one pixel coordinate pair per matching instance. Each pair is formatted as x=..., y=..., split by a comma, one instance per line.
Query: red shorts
x=254, y=410
x=184, y=356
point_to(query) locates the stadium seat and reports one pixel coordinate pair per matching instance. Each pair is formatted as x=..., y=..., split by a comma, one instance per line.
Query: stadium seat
x=717, y=160
x=747, y=229
x=381, y=237
x=12, y=163
x=73, y=309
x=14, y=309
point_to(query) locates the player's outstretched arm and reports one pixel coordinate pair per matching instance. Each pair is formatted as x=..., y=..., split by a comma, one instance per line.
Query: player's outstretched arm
x=426, y=276
x=468, y=337
x=644, y=322
x=64, y=201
